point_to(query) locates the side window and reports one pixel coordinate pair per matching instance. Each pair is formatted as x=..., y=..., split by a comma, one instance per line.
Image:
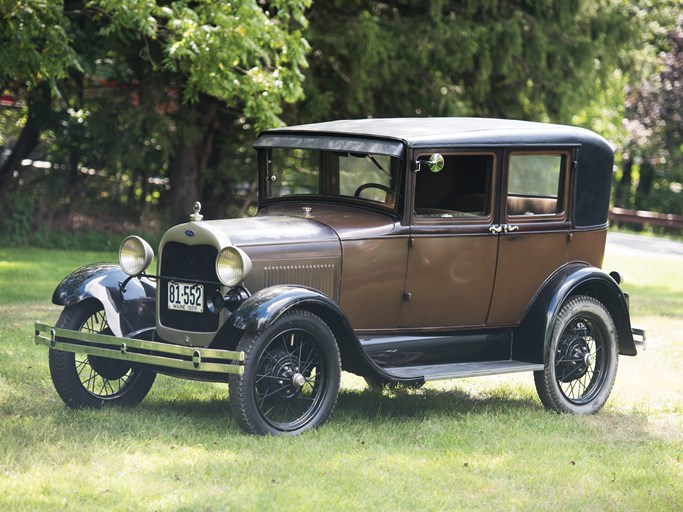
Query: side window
x=536, y=184
x=462, y=189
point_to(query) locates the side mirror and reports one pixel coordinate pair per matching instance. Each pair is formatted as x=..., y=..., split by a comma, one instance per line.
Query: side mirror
x=435, y=163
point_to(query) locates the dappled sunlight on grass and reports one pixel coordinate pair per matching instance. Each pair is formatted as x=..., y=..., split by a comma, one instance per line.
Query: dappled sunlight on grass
x=31, y=275
x=473, y=444
x=654, y=282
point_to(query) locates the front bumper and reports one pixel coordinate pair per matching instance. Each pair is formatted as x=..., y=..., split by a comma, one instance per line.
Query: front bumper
x=153, y=353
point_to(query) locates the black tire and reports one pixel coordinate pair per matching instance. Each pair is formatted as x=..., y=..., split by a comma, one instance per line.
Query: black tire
x=291, y=376
x=90, y=381
x=582, y=361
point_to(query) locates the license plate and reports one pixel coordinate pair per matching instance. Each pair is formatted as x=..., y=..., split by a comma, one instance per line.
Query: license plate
x=186, y=297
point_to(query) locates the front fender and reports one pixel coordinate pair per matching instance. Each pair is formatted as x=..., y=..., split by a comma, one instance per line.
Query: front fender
x=127, y=311
x=533, y=337
x=267, y=305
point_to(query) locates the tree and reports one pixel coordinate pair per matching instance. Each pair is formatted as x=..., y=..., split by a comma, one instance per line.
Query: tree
x=35, y=54
x=239, y=54
x=529, y=60
x=244, y=58
x=653, y=148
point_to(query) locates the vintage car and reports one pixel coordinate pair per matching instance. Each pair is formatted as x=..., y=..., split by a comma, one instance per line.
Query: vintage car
x=401, y=250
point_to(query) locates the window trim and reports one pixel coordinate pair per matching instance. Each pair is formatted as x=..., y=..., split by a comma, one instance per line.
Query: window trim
x=563, y=188
x=418, y=220
x=265, y=157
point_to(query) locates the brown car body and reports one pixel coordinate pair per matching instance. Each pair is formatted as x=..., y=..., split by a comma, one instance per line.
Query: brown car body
x=405, y=250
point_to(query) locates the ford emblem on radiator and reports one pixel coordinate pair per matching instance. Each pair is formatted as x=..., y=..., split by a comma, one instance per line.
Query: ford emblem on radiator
x=189, y=232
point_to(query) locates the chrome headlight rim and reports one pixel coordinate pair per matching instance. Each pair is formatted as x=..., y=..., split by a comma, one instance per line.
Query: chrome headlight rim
x=232, y=266
x=135, y=255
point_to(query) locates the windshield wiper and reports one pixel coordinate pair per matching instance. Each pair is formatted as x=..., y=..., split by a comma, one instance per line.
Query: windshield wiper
x=373, y=160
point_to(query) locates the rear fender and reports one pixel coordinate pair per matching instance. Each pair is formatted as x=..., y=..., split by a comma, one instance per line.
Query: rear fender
x=129, y=310
x=534, y=335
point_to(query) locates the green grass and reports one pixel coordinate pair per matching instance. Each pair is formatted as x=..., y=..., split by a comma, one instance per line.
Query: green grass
x=473, y=444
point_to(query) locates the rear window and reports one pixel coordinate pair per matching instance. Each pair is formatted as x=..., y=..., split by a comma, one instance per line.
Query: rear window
x=535, y=184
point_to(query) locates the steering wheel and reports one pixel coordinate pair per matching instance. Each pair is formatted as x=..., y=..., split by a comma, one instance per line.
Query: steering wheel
x=386, y=189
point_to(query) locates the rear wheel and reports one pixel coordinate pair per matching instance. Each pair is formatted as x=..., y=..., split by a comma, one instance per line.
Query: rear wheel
x=83, y=380
x=291, y=376
x=582, y=362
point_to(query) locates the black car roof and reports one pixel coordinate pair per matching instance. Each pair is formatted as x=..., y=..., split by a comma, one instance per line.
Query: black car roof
x=594, y=163
x=422, y=132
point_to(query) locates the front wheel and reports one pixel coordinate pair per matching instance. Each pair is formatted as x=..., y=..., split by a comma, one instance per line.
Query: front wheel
x=291, y=376
x=582, y=362
x=83, y=380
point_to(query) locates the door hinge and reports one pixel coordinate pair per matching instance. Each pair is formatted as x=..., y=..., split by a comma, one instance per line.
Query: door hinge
x=407, y=296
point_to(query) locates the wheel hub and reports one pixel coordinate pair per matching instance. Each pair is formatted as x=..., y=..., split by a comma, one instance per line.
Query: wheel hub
x=286, y=375
x=574, y=359
x=298, y=380
x=109, y=369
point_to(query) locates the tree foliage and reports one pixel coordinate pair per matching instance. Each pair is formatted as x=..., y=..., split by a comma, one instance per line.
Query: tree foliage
x=141, y=83
x=517, y=59
x=236, y=52
x=652, y=166
x=34, y=44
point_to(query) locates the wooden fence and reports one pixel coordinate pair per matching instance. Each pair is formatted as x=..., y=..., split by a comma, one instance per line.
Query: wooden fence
x=639, y=217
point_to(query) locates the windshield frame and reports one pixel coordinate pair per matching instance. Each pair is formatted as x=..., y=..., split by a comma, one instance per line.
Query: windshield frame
x=332, y=148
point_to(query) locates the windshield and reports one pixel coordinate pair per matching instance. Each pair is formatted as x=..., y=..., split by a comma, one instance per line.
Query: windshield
x=295, y=172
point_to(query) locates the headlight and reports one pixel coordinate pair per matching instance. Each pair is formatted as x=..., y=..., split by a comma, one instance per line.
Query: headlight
x=135, y=255
x=232, y=266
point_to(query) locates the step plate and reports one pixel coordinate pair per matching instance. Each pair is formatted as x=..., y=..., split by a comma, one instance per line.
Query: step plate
x=461, y=370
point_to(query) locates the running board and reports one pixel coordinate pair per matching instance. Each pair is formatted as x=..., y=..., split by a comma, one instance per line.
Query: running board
x=460, y=370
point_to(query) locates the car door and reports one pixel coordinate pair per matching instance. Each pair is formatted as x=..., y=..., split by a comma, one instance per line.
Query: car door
x=534, y=227
x=452, y=250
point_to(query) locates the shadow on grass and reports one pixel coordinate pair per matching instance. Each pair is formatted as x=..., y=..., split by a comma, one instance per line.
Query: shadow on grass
x=355, y=406
x=405, y=403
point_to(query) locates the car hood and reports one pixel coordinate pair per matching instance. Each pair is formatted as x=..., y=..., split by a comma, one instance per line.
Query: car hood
x=282, y=249
x=289, y=244
x=289, y=223
x=249, y=232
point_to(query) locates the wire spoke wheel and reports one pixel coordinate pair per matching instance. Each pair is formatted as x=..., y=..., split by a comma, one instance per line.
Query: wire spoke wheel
x=579, y=361
x=102, y=378
x=582, y=365
x=84, y=380
x=290, y=380
x=291, y=377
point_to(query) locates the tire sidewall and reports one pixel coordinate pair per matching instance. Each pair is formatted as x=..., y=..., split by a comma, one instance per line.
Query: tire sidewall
x=65, y=375
x=598, y=314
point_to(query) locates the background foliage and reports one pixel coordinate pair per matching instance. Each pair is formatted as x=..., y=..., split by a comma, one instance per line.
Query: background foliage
x=118, y=114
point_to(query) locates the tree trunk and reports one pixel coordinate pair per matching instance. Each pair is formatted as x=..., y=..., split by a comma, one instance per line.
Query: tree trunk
x=192, y=152
x=38, y=107
x=647, y=175
x=622, y=194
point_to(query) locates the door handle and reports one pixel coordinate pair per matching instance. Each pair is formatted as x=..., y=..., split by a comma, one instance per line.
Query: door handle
x=496, y=229
x=510, y=228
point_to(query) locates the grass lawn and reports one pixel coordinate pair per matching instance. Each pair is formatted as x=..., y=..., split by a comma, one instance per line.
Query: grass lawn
x=471, y=444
